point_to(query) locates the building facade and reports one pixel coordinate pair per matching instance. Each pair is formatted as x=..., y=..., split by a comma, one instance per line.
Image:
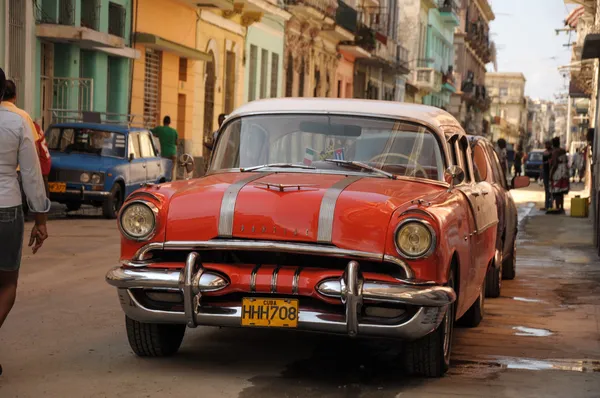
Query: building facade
x=509, y=108
x=473, y=51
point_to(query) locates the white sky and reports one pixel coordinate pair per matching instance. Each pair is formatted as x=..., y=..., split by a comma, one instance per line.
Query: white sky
x=524, y=33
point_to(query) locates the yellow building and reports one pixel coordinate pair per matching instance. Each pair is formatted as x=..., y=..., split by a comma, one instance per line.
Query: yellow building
x=165, y=74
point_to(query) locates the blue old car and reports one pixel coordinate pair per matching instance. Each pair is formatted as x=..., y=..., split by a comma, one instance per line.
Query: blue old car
x=101, y=164
x=534, y=164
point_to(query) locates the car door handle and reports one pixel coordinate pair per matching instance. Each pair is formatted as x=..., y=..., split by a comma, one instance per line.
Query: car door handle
x=475, y=194
x=144, y=166
x=484, y=192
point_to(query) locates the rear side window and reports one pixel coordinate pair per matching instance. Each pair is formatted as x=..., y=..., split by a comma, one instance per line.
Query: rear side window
x=134, y=146
x=464, y=152
x=499, y=177
x=146, y=146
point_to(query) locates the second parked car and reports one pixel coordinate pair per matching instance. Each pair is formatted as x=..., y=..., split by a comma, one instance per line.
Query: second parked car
x=487, y=168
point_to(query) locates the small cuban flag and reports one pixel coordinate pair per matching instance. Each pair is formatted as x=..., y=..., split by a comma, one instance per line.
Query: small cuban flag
x=338, y=154
x=309, y=155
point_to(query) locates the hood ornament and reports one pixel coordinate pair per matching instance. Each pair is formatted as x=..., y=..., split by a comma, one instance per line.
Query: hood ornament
x=283, y=187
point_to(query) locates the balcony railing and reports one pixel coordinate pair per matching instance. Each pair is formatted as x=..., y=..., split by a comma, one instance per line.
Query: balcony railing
x=428, y=79
x=448, y=6
x=327, y=7
x=375, y=18
x=346, y=17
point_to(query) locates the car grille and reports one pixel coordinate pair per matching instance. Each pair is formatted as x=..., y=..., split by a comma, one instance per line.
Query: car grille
x=74, y=176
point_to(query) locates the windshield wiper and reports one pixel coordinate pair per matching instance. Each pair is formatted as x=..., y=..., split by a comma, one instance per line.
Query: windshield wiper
x=360, y=165
x=281, y=165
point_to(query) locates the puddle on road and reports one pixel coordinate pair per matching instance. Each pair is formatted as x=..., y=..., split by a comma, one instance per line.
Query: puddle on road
x=528, y=300
x=501, y=363
x=532, y=332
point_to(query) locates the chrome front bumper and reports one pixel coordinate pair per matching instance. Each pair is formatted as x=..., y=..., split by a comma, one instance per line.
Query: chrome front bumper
x=351, y=289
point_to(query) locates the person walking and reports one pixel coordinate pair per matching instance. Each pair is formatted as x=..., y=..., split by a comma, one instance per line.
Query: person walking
x=546, y=156
x=167, y=136
x=519, y=156
x=559, y=174
x=503, y=155
x=17, y=149
x=576, y=165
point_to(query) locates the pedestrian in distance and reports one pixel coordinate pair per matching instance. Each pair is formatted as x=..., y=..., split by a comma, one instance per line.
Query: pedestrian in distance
x=546, y=157
x=211, y=144
x=167, y=136
x=17, y=149
x=559, y=175
x=503, y=154
x=519, y=158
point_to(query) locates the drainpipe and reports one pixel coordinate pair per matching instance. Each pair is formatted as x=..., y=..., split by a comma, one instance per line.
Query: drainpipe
x=133, y=43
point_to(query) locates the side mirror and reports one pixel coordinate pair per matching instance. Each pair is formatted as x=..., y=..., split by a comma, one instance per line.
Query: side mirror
x=454, y=175
x=131, y=157
x=520, y=182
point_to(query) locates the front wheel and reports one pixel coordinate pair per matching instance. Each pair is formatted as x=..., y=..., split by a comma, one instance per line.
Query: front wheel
x=113, y=203
x=472, y=318
x=429, y=356
x=493, y=281
x=154, y=339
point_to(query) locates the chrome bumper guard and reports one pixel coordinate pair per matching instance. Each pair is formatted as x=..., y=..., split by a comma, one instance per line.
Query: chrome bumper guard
x=350, y=288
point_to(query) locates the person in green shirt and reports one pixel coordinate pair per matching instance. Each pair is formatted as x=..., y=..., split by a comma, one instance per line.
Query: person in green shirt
x=167, y=136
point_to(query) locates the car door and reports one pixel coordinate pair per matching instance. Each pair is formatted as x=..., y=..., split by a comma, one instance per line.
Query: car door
x=153, y=161
x=137, y=164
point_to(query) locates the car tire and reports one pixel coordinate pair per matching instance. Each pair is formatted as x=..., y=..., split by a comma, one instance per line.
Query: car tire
x=429, y=356
x=73, y=206
x=472, y=318
x=113, y=203
x=493, y=281
x=154, y=339
x=509, y=266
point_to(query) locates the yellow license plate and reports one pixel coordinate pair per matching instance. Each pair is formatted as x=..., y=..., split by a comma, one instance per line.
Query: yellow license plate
x=58, y=187
x=272, y=313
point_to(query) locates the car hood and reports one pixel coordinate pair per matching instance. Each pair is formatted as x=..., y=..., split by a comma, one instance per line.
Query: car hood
x=82, y=161
x=357, y=220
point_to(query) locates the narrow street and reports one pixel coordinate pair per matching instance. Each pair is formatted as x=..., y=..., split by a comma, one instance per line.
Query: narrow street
x=66, y=335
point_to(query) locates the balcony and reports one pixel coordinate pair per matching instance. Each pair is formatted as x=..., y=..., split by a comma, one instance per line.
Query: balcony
x=346, y=24
x=365, y=38
x=211, y=4
x=313, y=8
x=402, y=56
x=449, y=82
x=376, y=18
x=428, y=79
x=449, y=11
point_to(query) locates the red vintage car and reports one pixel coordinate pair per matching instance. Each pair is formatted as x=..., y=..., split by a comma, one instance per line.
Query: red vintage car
x=351, y=217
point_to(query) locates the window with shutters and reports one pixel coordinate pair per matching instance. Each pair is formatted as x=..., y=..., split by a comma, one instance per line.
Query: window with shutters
x=274, y=75
x=116, y=19
x=183, y=68
x=229, y=81
x=264, y=66
x=152, y=73
x=252, y=73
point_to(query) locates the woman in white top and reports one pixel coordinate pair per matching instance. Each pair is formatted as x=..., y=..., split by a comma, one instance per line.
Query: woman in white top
x=17, y=149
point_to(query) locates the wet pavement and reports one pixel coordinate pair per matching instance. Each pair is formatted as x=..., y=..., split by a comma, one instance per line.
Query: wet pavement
x=541, y=338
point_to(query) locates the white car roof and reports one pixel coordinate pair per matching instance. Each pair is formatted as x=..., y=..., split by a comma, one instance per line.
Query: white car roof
x=429, y=115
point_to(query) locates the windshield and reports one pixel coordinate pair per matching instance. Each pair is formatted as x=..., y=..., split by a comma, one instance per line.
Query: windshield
x=401, y=148
x=535, y=156
x=82, y=140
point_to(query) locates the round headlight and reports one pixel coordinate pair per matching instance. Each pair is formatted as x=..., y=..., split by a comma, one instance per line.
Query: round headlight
x=138, y=221
x=414, y=239
x=85, y=178
x=96, y=178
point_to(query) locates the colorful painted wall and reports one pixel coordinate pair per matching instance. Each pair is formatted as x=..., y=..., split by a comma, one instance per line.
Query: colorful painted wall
x=216, y=36
x=265, y=38
x=175, y=21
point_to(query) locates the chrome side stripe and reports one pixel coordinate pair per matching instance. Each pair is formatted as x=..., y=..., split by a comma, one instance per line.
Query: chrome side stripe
x=296, y=280
x=325, y=231
x=228, y=203
x=253, y=278
x=274, y=279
